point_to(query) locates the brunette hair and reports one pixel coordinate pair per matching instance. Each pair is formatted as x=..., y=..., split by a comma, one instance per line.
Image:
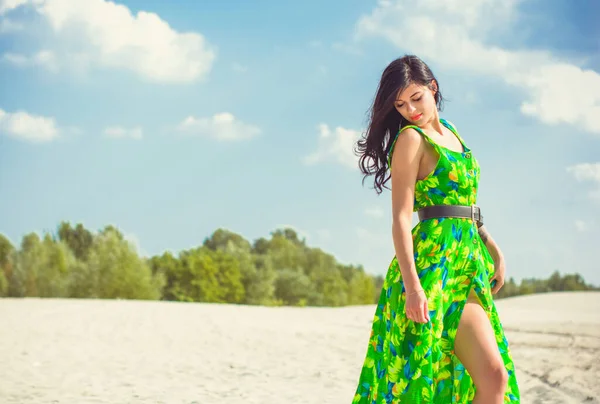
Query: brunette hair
x=385, y=121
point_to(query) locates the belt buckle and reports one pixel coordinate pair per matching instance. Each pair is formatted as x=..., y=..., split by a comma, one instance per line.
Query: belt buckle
x=473, y=213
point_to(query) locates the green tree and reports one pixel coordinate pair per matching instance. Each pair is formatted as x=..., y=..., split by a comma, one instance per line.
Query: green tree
x=361, y=286
x=286, y=254
x=42, y=267
x=78, y=238
x=574, y=282
x=114, y=270
x=195, y=278
x=290, y=235
x=7, y=254
x=232, y=244
x=329, y=288
x=204, y=275
x=510, y=288
x=226, y=268
x=378, y=281
x=164, y=267
x=260, y=288
x=225, y=240
x=228, y=276
x=261, y=246
x=292, y=287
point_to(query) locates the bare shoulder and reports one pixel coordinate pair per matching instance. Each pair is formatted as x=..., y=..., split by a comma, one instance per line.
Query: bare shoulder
x=408, y=151
x=408, y=147
x=410, y=137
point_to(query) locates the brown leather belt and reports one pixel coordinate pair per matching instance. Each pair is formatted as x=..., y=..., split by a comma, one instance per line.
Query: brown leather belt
x=461, y=211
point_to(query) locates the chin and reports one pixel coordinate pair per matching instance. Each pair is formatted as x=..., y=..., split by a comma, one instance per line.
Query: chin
x=426, y=119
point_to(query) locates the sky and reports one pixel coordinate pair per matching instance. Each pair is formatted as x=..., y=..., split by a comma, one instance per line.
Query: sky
x=172, y=119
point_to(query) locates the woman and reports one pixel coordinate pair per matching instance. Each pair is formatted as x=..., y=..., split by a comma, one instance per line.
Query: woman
x=436, y=336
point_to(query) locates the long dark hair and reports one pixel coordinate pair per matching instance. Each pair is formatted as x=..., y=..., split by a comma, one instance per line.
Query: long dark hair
x=385, y=121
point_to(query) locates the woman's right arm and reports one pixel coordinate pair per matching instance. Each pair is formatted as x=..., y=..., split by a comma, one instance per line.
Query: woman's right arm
x=407, y=154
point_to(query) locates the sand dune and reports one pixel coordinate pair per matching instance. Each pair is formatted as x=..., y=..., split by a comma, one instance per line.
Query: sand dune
x=108, y=351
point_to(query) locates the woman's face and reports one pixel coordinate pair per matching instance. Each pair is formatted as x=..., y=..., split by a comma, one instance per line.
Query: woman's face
x=416, y=103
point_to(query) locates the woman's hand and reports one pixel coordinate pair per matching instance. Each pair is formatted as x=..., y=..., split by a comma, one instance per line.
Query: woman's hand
x=497, y=280
x=416, y=306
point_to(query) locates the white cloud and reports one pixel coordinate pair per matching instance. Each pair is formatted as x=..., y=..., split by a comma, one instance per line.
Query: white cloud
x=564, y=93
x=456, y=35
x=580, y=225
x=119, y=132
x=369, y=238
x=8, y=5
x=375, y=212
x=44, y=58
x=222, y=126
x=92, y=33
x=363, y=233
x=239, y=68
x=24, y=126
x=345, y=48
x=7, y=25
x=586, y=172
x=336, y=146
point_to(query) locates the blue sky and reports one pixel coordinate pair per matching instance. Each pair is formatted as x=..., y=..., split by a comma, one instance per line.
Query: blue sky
x=170, y=121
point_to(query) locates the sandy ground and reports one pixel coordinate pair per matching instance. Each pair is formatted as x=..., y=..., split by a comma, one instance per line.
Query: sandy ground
x=86, y=351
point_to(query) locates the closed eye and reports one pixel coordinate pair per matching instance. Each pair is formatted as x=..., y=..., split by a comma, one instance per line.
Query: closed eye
x=414, y=99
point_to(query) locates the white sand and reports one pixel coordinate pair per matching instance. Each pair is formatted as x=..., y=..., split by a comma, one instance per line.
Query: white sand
x=85, y=351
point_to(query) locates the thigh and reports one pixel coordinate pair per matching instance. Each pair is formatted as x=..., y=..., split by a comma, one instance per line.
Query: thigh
x=475, y=344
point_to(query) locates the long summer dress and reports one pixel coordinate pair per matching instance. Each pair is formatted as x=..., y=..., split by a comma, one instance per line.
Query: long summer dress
x=412, y=363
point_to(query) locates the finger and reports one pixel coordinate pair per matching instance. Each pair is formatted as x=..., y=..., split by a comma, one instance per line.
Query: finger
x=497, y=286
x=423, y=312
x=426, y=312
x=417, y=315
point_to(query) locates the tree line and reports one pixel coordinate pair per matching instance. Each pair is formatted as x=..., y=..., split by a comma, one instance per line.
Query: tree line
x=74, y=262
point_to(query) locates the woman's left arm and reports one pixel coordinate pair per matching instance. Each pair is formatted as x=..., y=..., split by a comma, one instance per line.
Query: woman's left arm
x=497, y=256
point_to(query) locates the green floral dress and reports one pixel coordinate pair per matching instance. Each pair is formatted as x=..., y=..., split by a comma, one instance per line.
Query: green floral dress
x=409, y=362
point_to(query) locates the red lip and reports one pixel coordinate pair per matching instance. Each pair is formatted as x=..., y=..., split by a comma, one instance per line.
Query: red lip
x=416, y=117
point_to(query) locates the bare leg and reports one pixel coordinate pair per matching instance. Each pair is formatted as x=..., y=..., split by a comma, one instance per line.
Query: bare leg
x=475, y=346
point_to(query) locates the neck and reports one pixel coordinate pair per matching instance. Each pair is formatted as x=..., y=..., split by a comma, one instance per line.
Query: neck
x=433, y=124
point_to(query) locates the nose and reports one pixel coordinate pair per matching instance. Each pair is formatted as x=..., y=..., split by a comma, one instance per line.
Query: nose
x=411, y=108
